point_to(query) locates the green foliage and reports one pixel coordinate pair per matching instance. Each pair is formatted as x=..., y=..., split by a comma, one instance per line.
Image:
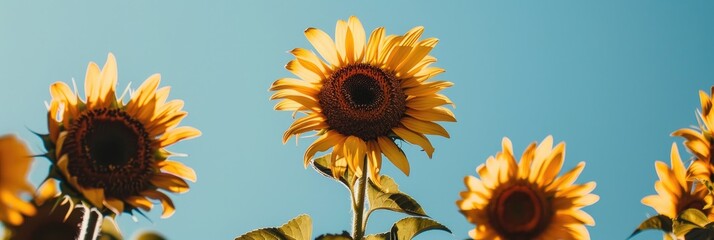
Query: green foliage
x=409, y=228
x=693, y=224
x=660, y=222
x=343, y=236
x=322, y=166
x=299, y=228
x=150, y=236
x=379, y=236
x=388, y=197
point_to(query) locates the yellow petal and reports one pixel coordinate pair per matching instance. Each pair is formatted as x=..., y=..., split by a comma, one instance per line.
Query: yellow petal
x=178, y=169
x=326, y=141
x=424, y=127
x=340, y=40
x=91, y=84
x=323, y=44
x=427, y=102
x=310, y=61
x=116, y=205
x=46, y=191
x=140, y=202
x=705, y=101
x=354, y=151
x=690, y=135
x=358, y=37
x=668, y=178
x=566, y=179
x=308, y=123
x=417, y=54
x=304, y=73
x=427, y=88
x=107, y=81
x=95, y=196
x=306, y=100
x=374, y=154
x=394, y=154
x=415, y=138
x=434, y=114
x=170, y=182
x=524, y=166
x=143, y=94
x=678, y=167
x=14, y=201
x=552, y=167
x=178, y=134
x=166, y=202
x=372, y=52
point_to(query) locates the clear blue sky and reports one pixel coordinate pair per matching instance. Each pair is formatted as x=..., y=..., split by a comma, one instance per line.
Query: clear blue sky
x=611, y=78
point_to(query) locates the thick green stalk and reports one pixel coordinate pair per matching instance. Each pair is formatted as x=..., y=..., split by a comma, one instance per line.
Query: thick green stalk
x=358, y=205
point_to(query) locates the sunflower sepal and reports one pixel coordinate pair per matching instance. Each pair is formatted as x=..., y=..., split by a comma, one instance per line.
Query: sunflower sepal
x=388, y=197
x=298, y=228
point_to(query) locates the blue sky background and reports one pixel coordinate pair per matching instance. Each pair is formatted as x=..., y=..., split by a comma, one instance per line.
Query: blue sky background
x=611, y=78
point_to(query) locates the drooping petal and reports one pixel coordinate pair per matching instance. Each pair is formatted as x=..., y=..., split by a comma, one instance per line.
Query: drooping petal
x=394, y=154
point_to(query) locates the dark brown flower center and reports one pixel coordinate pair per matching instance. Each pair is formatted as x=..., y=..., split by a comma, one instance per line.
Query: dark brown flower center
x=111, y=150
x=362, y=100
x=519, y=212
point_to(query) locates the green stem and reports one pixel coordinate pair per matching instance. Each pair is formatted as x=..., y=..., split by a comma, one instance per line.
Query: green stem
x=358, y=205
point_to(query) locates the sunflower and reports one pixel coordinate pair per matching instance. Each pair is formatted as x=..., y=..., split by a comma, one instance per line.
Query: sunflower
x=113, y=154
x=364, y=96
x=57, y=218
x=699, y=141
x=675, y=192
x=15, y=162
x=526, y=200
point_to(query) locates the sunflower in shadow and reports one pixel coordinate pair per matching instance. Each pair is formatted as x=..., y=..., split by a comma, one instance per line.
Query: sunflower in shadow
x=526, y=199
x=360, y=95
x=112, y=154
x=15, y=161
x=59, y=217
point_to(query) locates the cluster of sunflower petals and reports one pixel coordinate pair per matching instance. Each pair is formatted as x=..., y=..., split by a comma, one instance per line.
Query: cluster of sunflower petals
x=526, y=199
x=680, y=188
x=366, y=93
x=676, y=191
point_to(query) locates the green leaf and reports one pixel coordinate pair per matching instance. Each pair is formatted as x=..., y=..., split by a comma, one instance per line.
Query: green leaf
x=344, y=236
x=660, y=222
x=694, y=216
x=322, y=166
x=299, y=228
x=693, y=224
x=706, y=233
x=378, y=236
x=409, y=227
x=150, y=236
x=389, y=197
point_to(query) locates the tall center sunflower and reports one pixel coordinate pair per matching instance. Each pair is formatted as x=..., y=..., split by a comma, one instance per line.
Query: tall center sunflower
x=526, y=200
x=366, y=94
x=112, y=154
